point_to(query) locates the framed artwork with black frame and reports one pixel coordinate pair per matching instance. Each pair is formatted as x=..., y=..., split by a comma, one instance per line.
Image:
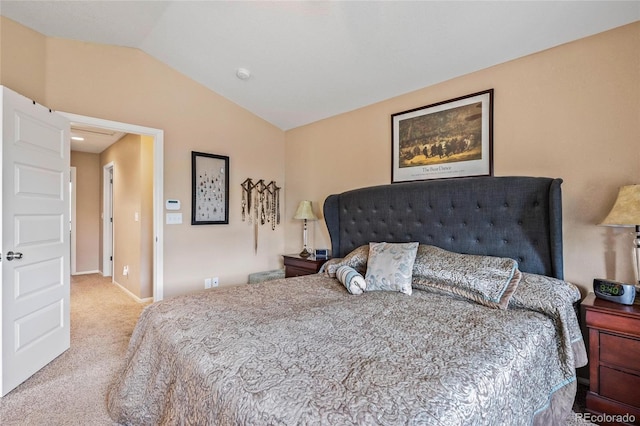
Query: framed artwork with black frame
x=210, y=189
x=447, y=139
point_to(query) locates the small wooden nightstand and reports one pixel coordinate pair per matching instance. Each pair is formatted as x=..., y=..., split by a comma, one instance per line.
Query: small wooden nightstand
x=295, y=266
x=614, y=357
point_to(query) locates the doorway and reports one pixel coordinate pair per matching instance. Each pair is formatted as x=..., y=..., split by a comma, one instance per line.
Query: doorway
x=158, y=166
x=107, y=220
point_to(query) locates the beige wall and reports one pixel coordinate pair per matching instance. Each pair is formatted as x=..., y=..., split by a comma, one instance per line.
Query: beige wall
x=125, y=156
x=23, y=59
x=146, y=216
x=88, y=176
x=127, y=85
x=571, y=112
x=131, y=239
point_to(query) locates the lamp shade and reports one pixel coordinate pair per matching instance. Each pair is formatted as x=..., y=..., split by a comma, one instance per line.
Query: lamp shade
x=305, y=211
x=626, y=210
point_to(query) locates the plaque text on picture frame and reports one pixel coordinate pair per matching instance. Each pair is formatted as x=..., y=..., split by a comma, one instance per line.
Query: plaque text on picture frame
x=453, y=138
x=209, y=189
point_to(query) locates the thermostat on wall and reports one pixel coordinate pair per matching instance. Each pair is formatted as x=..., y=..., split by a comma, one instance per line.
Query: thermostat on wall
x=173, y=204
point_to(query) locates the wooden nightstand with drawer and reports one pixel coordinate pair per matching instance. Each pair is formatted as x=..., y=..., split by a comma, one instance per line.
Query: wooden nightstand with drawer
x=614, y=357
x=295, y=266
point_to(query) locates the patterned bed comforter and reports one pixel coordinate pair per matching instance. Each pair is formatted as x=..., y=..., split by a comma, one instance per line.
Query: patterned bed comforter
x=304, y=351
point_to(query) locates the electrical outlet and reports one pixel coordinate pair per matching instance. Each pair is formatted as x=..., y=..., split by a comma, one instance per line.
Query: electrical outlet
x=207, y=283
x=125, y=270
x=214, y=282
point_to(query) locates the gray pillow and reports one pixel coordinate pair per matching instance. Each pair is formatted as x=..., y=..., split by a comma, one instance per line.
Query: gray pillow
x=357, y=259
x=486, y=280
x=390, y=266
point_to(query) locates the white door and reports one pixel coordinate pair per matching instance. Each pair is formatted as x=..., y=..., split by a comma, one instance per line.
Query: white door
x=35, y=238
x=72, y=221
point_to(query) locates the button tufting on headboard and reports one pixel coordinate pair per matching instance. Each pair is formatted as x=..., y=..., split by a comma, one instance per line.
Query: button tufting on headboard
x=517, y=217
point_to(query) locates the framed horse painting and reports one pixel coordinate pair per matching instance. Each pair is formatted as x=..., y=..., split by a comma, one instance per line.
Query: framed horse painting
x=447, y=139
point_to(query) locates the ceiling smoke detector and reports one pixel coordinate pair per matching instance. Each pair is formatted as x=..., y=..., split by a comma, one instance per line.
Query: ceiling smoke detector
x=243, y=74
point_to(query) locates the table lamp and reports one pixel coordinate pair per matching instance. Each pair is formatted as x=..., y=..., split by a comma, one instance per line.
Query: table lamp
x=305, y=212
x=626, y=212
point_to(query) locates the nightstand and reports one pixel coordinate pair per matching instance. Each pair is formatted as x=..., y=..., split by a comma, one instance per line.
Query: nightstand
x=295, y=266
x=614, y=357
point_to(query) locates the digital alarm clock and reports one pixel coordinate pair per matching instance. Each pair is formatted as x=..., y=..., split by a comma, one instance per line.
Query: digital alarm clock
x=322, y=253
x=614, y=291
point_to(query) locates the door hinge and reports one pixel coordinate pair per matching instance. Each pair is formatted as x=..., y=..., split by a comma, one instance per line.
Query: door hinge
x=111, y=258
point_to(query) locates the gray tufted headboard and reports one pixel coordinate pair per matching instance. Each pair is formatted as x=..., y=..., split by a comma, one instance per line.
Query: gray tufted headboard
x=516, y=217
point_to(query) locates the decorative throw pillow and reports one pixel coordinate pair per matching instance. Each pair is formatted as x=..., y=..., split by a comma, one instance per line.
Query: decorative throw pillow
x=351, y=279
x=390, y=266
x=357, y=259
x=487, y=280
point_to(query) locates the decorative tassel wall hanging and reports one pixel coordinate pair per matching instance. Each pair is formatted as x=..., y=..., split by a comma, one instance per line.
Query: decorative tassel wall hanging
x=260, y=205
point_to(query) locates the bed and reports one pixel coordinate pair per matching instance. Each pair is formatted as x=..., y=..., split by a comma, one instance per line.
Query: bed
x=484, y=331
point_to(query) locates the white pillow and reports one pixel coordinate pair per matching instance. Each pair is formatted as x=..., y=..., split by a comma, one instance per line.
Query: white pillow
x=351, y=279
x=390, y=266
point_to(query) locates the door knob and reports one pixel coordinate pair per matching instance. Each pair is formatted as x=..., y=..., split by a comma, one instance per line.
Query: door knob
x=11, y=255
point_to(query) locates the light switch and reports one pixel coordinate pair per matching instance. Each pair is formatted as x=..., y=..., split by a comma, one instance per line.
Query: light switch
x=174, y=218
x=136, y=216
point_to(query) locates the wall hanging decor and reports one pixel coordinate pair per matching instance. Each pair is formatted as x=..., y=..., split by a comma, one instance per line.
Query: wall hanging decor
x=448, y=139
x=209, y=188
x=260, y=205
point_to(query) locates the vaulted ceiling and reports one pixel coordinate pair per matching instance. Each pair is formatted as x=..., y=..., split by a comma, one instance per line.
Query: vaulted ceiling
x=312, y=60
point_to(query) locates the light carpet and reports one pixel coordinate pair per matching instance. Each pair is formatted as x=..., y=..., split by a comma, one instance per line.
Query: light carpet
x=72, y=389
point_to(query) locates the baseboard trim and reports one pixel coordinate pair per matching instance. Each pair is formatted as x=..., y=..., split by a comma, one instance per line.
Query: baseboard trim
x=133, y=296
x=86, y=272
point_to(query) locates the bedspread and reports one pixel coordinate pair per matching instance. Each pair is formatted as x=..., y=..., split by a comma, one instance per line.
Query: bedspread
x=304, y=351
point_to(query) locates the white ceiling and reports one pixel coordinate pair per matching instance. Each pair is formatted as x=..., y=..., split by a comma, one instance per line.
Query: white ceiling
x=312, y=60
x=94, y=139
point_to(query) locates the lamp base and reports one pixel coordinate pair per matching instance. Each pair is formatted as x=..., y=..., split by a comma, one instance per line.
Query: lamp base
x=304, y=253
